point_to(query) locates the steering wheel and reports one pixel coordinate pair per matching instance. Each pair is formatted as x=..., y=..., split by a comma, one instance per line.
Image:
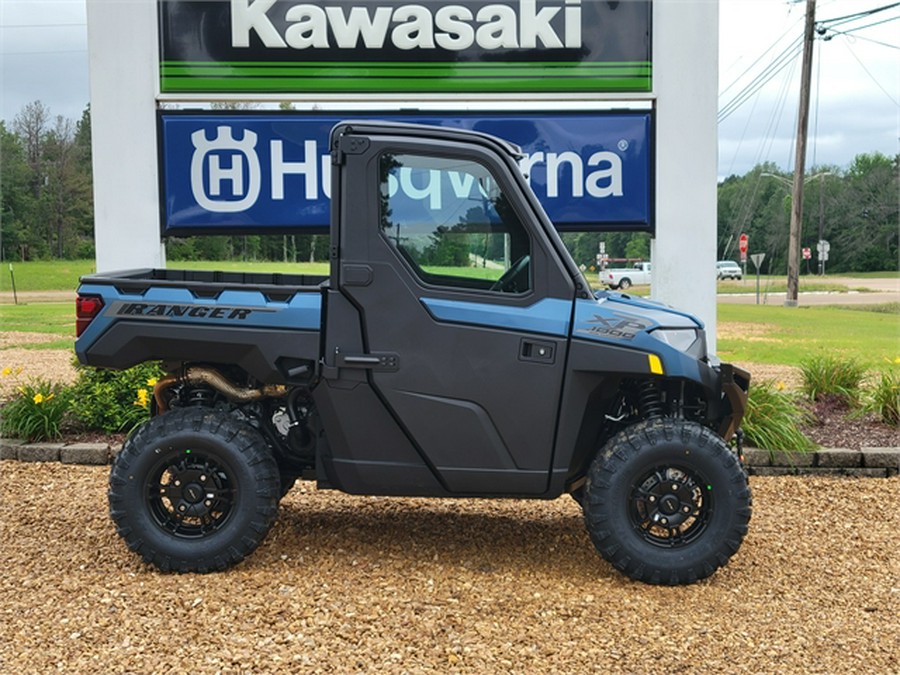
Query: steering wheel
x=508, y=282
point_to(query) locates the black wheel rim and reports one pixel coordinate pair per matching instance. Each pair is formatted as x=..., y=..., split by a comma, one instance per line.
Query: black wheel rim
x=670, y=506
x=190, y=494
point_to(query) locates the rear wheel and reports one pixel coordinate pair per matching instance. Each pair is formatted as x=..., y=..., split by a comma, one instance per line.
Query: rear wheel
x=666, y=502
x=625, y=284
x=194, y=490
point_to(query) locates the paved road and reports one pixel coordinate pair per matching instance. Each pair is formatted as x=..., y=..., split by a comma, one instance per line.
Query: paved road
x=878, y=291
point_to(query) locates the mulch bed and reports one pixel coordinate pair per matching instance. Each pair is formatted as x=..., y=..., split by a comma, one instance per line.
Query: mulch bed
x=362, y=584
x=833, y=424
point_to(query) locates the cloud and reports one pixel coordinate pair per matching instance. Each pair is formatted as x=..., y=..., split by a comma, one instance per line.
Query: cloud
x=44, y=56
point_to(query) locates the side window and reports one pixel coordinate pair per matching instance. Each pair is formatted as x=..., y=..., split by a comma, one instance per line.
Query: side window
x=449, y=219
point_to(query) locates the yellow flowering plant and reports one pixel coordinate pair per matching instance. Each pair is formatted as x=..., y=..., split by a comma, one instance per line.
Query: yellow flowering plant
x=115, y=401
x=143, y=399
x=36, y=412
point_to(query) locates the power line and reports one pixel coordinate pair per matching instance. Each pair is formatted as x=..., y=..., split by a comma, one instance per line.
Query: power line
x=877, y=83
x=850, y=17
x=868, y=25
x=860, y=37
x=827, y=28
x=758, y=59
x=825, y=31
x=763, y=78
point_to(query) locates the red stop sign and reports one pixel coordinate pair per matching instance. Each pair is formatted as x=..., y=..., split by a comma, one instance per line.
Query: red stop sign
x=742, y=243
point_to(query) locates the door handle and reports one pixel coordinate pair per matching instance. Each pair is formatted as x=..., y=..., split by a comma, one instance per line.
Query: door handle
x=377, y=361
x=538, y=351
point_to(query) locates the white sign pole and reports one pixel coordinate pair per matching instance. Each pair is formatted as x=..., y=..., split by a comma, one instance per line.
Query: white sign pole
x=122, y=48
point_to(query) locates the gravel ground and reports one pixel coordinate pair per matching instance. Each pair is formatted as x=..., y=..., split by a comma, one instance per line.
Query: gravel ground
x=54, y=365
x=348, y=584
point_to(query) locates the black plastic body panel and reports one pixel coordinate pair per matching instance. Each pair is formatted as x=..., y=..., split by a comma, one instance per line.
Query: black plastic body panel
x=206, y=283
x=257, y=351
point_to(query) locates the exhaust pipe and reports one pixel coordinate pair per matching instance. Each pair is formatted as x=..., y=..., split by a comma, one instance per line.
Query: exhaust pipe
x=215, y=379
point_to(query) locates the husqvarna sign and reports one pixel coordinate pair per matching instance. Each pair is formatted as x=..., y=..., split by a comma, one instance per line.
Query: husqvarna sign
x=359, y=46
x=270, y=172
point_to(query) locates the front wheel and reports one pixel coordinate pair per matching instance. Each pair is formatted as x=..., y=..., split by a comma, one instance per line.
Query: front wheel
x=666, y=502
x=194, y=490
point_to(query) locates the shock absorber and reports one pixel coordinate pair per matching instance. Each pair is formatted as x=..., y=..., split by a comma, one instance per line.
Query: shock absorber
x=649, y=399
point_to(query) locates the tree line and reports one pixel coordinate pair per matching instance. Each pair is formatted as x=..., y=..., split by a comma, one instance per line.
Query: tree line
x=854, y=209
x=47, y=211
x=46, y=202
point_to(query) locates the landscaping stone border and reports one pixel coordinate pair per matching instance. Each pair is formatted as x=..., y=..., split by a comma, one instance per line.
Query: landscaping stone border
x=868, y=462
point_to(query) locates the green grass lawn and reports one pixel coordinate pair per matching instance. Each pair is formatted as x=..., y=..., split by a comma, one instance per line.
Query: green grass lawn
x=63, y=275
x=44, y=275
x=54, y=318
x=787, y=336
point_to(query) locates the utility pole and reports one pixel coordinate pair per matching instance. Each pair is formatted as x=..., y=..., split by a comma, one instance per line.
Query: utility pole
x=793, y=279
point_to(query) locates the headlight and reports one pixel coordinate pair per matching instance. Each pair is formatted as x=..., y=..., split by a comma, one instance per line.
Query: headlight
x=691, y=341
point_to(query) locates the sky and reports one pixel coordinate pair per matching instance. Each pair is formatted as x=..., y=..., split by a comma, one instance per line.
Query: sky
x=855, y=106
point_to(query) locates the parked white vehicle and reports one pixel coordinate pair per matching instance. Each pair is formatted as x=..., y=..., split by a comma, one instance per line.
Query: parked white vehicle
x=627, y=277
x=728, y=269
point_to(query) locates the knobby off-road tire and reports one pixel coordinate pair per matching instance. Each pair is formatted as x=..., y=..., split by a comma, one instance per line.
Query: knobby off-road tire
x=194, y=490
x=667, y=502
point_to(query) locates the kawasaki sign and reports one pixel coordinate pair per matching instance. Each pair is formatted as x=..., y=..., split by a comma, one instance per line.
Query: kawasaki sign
x=390, y=46
x=271, y=172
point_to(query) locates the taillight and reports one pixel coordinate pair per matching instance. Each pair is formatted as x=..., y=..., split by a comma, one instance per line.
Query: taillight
x=86, y=308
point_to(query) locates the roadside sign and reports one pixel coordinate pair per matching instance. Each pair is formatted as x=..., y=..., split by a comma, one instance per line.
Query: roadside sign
x=807, y=253
x=757, y=259
x=270, y=171
x=350, y=47
x=822, y=249
x=743, y=244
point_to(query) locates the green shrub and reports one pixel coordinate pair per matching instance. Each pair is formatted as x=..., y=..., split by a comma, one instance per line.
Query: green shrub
x=771, y=420
x=883, y=398
x=114, y=400
x=832, y=376
x=37, y=411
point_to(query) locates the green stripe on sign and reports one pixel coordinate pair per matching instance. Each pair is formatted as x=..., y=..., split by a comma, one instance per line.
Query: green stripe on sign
x=404, y=77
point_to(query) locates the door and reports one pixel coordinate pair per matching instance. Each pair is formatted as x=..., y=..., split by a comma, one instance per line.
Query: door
x=464, y=310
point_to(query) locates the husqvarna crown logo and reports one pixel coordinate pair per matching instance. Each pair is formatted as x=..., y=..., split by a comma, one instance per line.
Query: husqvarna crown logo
x=225, y=171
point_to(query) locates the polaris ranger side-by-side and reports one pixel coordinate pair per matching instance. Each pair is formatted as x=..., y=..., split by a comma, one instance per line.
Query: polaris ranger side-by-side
x=455, y=349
